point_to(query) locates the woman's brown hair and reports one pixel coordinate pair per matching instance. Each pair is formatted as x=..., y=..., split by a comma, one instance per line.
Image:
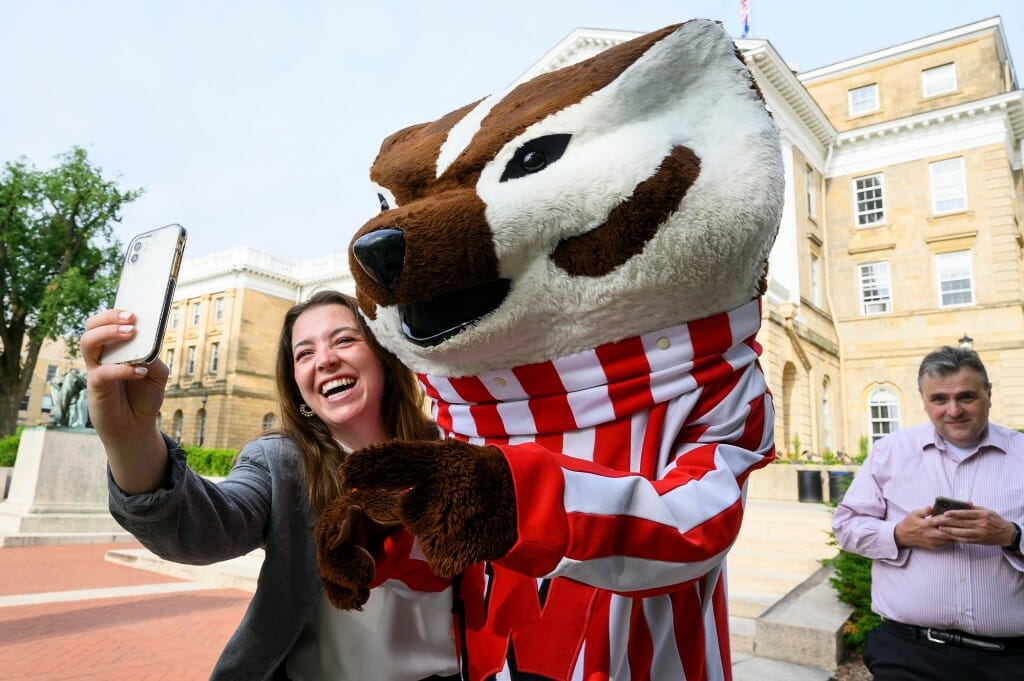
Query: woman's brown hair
x=402, y=404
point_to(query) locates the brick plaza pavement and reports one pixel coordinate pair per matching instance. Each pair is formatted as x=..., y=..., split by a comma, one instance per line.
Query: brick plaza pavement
x=66, y=614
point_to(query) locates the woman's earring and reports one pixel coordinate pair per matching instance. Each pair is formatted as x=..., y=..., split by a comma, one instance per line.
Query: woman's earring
x=304, y=410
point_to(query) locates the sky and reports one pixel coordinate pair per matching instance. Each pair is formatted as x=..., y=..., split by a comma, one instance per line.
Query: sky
x=254, y=122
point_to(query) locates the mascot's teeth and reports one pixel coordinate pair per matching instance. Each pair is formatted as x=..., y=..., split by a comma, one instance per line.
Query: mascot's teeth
x=342, y=383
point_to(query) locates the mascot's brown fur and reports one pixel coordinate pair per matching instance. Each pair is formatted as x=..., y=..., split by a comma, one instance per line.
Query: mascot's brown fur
x=573, y=267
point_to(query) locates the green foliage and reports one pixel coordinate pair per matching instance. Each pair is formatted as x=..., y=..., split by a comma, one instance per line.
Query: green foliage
x=9, y=449
x=852, y=583
x=212, y=462
x=830, y=459
x=796, y=446
x=59, y=261
x=864, y=446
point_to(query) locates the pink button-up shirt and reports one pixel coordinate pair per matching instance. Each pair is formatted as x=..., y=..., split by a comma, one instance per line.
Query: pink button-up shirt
x=975, y=588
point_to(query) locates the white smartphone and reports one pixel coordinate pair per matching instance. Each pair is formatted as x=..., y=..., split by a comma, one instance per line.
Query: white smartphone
x=146, y=287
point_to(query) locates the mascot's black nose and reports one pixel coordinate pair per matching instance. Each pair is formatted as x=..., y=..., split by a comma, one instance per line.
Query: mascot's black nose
x=381, y=254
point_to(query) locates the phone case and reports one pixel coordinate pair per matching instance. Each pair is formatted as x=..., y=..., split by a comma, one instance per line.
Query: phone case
x=943, y=504
x=148, y=276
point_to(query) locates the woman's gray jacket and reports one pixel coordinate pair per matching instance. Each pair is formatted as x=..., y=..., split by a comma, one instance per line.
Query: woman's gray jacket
x=261, y=504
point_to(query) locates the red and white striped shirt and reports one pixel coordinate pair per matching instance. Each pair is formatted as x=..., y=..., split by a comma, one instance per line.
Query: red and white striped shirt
x=628, y=463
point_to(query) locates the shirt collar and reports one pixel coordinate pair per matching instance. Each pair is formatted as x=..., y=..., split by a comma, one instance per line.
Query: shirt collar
x=991, y=438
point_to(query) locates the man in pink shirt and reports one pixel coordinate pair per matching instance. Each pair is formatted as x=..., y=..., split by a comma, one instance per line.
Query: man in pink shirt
x=949, y=585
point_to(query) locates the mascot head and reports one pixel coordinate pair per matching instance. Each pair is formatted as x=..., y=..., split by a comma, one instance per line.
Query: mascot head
x=638, y=189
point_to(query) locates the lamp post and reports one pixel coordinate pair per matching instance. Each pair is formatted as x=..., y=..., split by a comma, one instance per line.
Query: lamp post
x=966, y=342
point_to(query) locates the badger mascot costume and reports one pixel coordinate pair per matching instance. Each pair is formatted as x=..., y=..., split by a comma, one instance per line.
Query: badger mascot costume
x=574, y=269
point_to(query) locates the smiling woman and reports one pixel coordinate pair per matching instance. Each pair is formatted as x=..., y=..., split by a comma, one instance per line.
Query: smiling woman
x=339, y=391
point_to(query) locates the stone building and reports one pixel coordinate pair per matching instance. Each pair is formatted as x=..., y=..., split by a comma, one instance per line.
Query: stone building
x=901, y=232
x=221, y=341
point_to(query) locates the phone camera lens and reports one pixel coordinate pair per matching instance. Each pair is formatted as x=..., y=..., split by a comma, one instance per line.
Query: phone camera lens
x=135, y=256
x=138, y=246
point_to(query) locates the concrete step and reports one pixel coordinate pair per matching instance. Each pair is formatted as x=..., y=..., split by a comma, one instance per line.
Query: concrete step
x=779, y=546
x=785, y=529
x=752, y=668
x=741, y=634
x=805, y=626
x=61, y=538
x=750, y=603
x=791, y=560
x=777, y=582
x=237, y=573
x=813, y=546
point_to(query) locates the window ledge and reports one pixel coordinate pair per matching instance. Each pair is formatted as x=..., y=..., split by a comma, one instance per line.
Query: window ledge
x=936, y=217
x=937, y=95
x=868, y=248
x=938, y=238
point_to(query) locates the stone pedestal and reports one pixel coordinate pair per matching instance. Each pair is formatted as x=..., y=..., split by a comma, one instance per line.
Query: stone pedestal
x=58, y=492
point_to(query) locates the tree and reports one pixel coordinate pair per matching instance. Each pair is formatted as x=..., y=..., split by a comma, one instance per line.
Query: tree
x=59, y=262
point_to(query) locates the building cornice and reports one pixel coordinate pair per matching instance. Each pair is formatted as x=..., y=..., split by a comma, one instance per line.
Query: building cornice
x=767, y=65
x=904, y=50
x=760, y=56
x=581, y=44
x=1011, y=104
x=246, y=267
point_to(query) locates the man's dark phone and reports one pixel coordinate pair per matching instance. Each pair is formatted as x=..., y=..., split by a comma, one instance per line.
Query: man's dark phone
x=943, y=504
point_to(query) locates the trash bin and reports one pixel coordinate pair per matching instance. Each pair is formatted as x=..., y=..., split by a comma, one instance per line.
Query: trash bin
x=838, y=481
x=809, y=486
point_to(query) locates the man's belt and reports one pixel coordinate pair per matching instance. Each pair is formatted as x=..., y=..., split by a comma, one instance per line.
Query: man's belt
x=954, y=637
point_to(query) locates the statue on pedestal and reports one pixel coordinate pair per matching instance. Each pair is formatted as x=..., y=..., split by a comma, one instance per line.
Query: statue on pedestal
x=70, y=405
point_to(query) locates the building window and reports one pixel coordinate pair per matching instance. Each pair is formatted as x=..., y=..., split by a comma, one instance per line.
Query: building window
x=953, y=271
x=816, y=296
x=201, y=430
x=268, y=421
x=214, y=357
x=169, y=361
x=175, y=316
x=190, y=363
x=195, y=314
x=24, y=402
x=826, y=415
x=939, y=80
x=51, y=372
x=875, y=294
x=863, y=99
x=179, y=422
x=46, y=405
x=949, y=191
x=809, y=181
x=868, y=197
x=218, y=309
x=884, y=413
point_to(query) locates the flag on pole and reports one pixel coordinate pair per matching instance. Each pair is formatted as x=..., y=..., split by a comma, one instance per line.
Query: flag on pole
x=744, y=18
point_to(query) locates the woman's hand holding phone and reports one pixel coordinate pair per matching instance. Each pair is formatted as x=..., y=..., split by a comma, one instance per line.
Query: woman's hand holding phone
x=124, y=401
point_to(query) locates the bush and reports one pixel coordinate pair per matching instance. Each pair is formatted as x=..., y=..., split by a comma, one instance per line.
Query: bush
x=852, y=582
x=9, y=448
x=212, y=462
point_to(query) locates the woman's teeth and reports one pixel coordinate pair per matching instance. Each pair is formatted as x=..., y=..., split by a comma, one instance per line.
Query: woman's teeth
x=337, y=385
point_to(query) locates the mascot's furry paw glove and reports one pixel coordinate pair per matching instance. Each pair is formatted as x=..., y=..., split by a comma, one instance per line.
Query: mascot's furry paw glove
x=456, y=498
x=346, y=538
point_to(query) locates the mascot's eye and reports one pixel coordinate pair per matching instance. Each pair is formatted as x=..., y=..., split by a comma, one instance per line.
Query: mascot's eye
x=383, y=202
x=535, y=155
x=534, y=161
